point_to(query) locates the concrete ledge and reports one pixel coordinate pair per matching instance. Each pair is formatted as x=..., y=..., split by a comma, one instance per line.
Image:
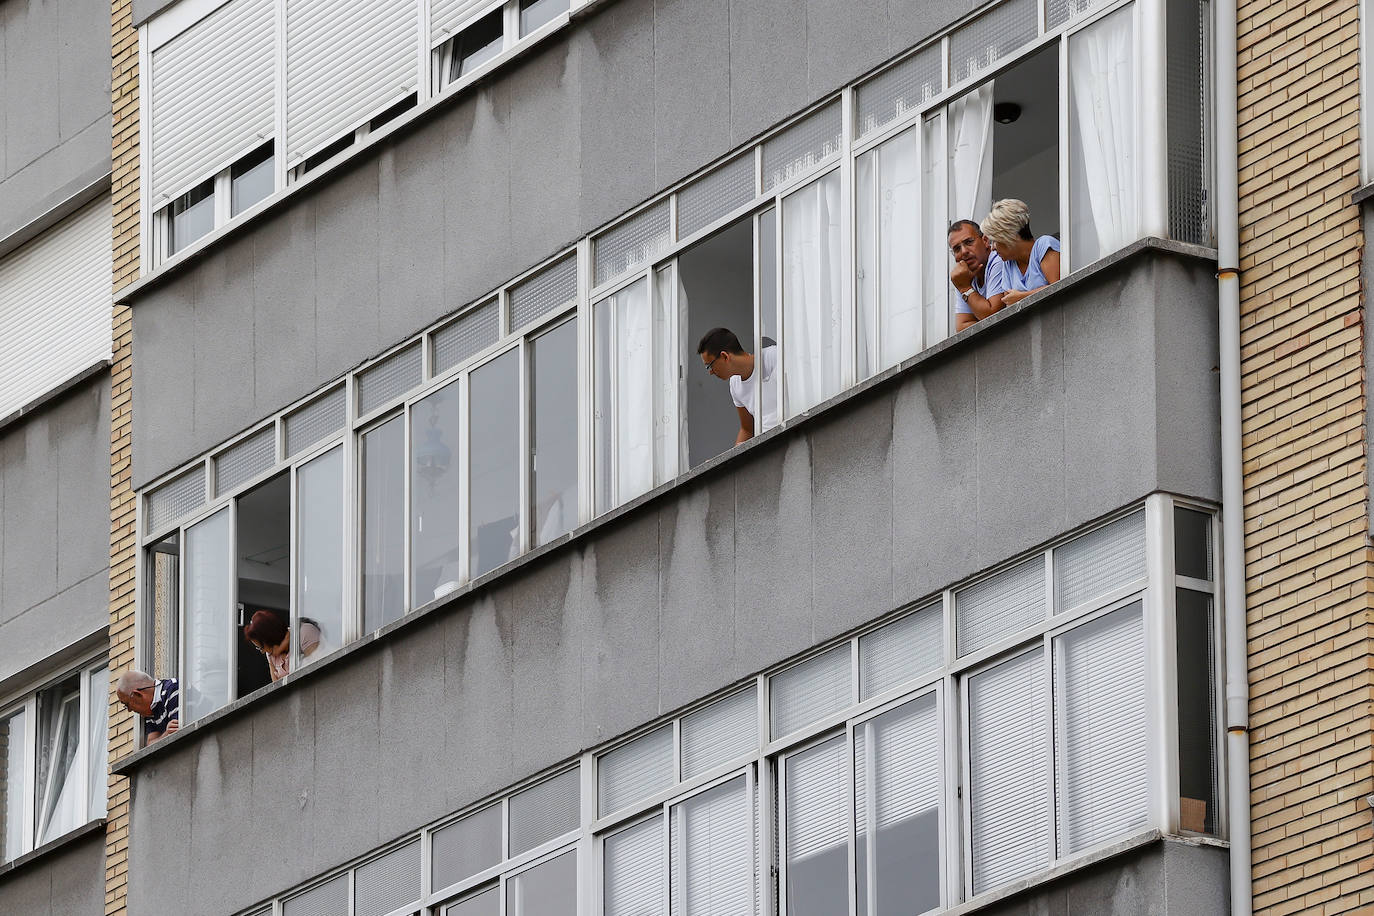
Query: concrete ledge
x=715, y=467
x=1361, y=194
x=66, y=839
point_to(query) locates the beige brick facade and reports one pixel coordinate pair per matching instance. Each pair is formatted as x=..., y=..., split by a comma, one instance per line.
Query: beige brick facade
x=1308, y=563
x=123, y=544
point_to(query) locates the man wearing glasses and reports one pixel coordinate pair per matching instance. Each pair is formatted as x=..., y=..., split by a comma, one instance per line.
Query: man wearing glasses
x=723, y=357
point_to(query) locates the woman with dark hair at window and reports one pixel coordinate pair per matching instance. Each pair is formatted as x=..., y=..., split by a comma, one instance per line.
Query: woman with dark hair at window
x=270, y=635
x=1031, y=263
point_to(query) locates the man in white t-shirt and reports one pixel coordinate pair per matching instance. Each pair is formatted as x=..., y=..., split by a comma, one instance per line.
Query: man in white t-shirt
x=723, y=357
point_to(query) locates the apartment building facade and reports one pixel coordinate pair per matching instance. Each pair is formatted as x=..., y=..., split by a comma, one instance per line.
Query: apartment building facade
x=412, y=294
x=55, y=383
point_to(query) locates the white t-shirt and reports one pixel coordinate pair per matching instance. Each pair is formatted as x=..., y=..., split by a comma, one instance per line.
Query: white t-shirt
x=744, y=391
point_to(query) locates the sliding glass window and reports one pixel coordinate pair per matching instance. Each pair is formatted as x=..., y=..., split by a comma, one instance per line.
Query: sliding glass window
x=383, y=481
x=815, y=326
x=209, y=621
x=319, y=570
x=496, y=398
x=553, y=445
x=436, y=546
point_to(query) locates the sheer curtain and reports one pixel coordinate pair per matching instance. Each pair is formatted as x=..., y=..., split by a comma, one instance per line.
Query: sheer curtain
x=899, y=183
x=970, y=154
x=666, y=421
x=935, y=253
x=98, y=739
x=60, y=783
x=813, y=328
x=1102, y=160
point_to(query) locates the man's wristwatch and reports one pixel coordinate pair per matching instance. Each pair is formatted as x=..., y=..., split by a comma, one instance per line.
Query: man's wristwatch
x=966, y=293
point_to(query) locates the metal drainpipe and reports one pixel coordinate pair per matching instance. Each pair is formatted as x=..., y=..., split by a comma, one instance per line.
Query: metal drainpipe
x=1232, y=483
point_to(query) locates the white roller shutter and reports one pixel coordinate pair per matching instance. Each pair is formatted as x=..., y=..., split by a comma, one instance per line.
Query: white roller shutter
x=212, y=98
x=55, y=306
x=1009, y=771
x=904, y=744
x=815, y=804
x=346, y=60
x=447, y=17
x=634, y=870
x=636, y=770
x=712, y=855
x=1102, y=731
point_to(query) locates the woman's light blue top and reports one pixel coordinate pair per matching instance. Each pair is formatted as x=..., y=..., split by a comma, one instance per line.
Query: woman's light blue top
x=1034, y=277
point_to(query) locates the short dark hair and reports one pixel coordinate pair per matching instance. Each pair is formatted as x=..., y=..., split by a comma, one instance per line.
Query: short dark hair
x=266, y=628
x=718, y=341
x=963, y=222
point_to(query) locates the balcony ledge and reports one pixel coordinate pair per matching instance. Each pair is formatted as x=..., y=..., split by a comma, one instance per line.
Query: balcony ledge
x=71, y=836
x=132, y=762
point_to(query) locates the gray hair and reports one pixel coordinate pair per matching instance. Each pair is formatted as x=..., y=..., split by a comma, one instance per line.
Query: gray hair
x=132, y=680
x=1008, y=221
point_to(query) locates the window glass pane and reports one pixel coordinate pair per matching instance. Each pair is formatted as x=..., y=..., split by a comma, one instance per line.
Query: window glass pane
x=897, y=793
x=712, y=852
x=635, y=770
x=388, y=882
x=866, y=261
x=667, y=434
x=162, y=604
x=320, y=555
x=12, y=752
x=902, y=650
x=633, y=243
x=209, y=616
x=262, y=562
x=1009, y=772
x=937, y=295
x=1197, y=712
x=815, y=355
x=634, y=870
x=495, y=462
x=545, y=810
x=1095, y=564
x=435, y=547
x=190, y=216
x=383, y=475
x=767, y=243
x=98, y=734
x=548, y=889
x=553, y=404
x=1101, y=730
x=246, y=459
x=1192, y=543
x=328, y=899
x=487, y=903
x=477, y=44
x=889, y=216
x=59, y=787
x=624, y=397
x=720, y=733
x=809, y=691
x=814, y=832
x=251, y=180
x=535, y=13
x=978, y=46
x=467, y=846
x=1102, y=162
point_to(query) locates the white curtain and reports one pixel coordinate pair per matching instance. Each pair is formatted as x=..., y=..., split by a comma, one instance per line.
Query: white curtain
x=207, y=616
x=98, y=739
x=813, y=329
x=666, y=420
x=899, y=190
x=62, y=786
x=970, y=154
x=935, y=254
x=1102, y=138
x=866, y=262
x=634, y=391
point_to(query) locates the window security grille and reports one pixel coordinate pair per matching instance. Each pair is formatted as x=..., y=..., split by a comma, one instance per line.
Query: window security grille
x=245, y=459
x=389, y=379
x=900, y=89
x=993, y=36
x=902, y=650
x=201, y=121
x=715, y=194
x=716, y=734
x=1100, y=561
x=543, y=811
x=1000, y=606
x=466, y=336
x=810, y=691
x=552, y=288
x=800, y=148
x=176, y=498
x=315, y=421
x=388, y=882
x=465, y=847
x=636, y=770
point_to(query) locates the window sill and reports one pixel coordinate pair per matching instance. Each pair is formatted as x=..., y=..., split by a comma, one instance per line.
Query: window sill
x=128, y=764
x=1362, y=194
x=66, y=839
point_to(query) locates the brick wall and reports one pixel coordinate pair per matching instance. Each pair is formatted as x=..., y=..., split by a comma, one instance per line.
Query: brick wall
x=1307, y=557
x=123, y=546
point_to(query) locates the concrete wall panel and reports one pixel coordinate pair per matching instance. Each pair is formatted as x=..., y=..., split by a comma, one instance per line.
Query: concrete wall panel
x=943, y=470
x=767, y=59
x=691, y=85
x=348, y=315
x=283, y=761
x=283, y=362
x=411, y=229
x=68, y=881
x=54, y=526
